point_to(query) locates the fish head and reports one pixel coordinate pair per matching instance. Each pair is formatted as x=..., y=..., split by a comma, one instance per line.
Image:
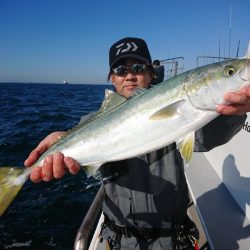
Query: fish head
x=209, y=83
x=234, y=75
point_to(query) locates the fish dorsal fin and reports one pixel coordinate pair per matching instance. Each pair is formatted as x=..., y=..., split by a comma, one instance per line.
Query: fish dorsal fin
x=167, y=112
x=111, y=100
x=186, y=147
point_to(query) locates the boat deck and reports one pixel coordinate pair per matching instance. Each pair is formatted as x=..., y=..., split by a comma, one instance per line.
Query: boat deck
x=225, y=224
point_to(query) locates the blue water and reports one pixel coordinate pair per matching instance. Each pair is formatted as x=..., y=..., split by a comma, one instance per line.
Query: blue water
x=44, y=215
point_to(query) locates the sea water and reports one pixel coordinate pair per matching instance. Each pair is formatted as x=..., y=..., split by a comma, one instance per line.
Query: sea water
x=45, y=215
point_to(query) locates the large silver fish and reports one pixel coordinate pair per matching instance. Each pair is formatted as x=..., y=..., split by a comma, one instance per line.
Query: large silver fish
x=169, y=112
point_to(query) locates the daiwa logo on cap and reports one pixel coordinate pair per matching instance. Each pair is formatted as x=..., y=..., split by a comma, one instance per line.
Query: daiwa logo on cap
x=130, y=46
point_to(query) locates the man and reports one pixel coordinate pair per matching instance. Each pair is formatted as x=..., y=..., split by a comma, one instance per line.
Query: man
x=158, y=72
x=147, y=196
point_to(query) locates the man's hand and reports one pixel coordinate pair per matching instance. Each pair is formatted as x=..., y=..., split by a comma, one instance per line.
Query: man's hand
x=54, y=165
x=239, y=102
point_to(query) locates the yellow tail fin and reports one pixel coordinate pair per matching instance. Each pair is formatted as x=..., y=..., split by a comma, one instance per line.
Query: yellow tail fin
x=9, y=185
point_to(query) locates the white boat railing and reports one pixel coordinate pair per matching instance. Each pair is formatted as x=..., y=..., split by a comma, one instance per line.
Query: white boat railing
x=84, y=232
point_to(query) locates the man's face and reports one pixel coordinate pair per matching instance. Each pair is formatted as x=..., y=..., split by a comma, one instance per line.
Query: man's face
x=126, y=84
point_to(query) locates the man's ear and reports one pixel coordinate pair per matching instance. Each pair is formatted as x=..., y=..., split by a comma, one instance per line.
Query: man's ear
x=112, y=78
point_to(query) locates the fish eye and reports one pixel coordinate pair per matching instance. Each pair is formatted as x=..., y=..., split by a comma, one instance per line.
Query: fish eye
x=229, y=71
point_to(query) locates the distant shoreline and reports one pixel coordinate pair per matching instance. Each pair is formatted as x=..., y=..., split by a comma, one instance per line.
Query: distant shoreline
x=56, y=83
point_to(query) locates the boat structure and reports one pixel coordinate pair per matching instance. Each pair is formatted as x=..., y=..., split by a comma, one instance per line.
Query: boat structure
x=219, y=186
x=65, y=82
x=219, y=183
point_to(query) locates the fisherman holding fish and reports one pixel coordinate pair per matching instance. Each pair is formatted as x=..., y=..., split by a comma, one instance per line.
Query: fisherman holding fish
x=147, y=196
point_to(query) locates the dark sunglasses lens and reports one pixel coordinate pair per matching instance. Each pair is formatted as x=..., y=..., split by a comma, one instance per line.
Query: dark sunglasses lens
x=138, y=68
x=135, y=69
x=120, y=70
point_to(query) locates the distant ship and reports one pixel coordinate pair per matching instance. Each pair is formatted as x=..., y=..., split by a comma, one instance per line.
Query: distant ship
x=65, y=82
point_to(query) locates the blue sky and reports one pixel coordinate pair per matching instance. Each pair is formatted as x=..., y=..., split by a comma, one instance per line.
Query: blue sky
x=55, y=40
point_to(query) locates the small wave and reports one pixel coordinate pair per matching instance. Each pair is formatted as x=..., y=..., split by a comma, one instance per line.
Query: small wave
x=17, y=244
x=25, y=119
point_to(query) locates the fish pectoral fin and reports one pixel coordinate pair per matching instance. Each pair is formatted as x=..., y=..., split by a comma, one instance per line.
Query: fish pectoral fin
x=186, y=147
x=9, y=188
x=91, y=170
x=167, y=112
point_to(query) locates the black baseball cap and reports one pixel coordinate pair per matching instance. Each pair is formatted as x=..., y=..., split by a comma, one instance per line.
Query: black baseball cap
x=129, y=47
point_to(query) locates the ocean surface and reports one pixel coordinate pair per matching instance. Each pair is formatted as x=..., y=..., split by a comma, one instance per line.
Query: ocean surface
x=45, y=215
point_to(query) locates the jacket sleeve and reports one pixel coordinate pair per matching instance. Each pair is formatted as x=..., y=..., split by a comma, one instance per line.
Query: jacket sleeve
x=218, y=132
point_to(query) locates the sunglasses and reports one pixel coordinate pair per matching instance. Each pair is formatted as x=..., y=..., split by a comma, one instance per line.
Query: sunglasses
x=135, y=69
